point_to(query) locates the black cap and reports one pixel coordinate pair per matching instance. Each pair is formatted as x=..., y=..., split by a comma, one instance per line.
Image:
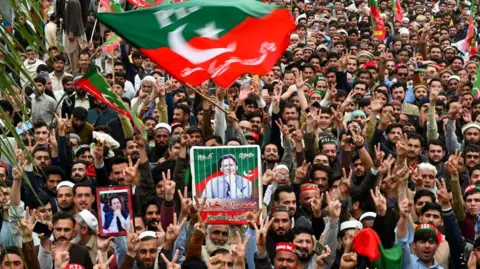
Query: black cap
x=80, y=113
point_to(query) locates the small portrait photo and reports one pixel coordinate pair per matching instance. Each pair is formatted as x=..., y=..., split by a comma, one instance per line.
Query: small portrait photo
x=114, y=210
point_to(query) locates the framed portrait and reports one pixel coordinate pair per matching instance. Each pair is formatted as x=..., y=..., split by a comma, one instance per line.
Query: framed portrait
x=114, y=207
x=229, y=179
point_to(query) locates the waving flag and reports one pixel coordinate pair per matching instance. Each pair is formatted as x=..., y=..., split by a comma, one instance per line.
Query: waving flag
x=94, y=83
x=111, y=6
x=145, y=3
x=198, y=40
x=379, y=30
x=367, y=243
x=113, y=41
x=397, y=10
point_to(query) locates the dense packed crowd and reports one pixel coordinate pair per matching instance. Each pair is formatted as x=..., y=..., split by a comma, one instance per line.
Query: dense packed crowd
x=355, y=133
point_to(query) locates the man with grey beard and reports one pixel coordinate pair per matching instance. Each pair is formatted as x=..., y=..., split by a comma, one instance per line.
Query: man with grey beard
x=217, y=238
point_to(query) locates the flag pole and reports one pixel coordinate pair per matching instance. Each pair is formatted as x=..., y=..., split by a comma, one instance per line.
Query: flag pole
x=95, y=24
x=206, y=98
x=113, y=68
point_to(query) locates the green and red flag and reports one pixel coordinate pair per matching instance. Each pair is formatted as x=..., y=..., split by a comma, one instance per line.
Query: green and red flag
x=476, y=85
x=94, y=83
x=379, y=30
x=367, y=243
x=202, y=39
x=111, y=6
x=145, y=3
x=397, y=10
x=113, y=41
x=472, y=31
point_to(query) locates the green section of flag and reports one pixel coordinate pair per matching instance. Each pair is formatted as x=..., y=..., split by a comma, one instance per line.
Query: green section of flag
x=476, y=85
x=389, y=259
x=151, y=26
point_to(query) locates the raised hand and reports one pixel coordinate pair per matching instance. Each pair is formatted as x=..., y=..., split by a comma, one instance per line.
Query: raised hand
x=26, y=225
x=133, y=242
x=169, y=186
x=196, y=210
x=379, y=155
x=268, y=176
x=301, y=172
x=316, y=204
x=62, y=259
x=403, y=174
x=174, y=229
x=320, y=258
x=452, y=165
x=103, y=243
x=348, y=261
x=252, y=218
x=283, y=128
x=31, y=148
x=298, y=134
x=466, y=115
x=130, y=173
x=185, y=203
x=100, y=264
x=405, y=208
x=261, y=235
x=312, y=122
x=454, y=111
x=185, y=140
x=334, y=207
x=98, y=150
x=61, y=124
x=401, y=146
x=358, y=140
x=379, y=201
x=387, y=164
x=442, y=194
x=416, y=177
x=238, y=251
x=346, y=183
x=171, y=264
x=299, y=82
x=376, y=105
x=346, y=142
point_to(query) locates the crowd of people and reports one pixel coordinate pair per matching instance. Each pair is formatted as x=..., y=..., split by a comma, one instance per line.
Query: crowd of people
x=355, y=133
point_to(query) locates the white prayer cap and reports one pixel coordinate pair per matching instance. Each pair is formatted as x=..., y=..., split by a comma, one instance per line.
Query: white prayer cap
x=403, y=31
x=368, y=216
x=163, y=125
x=65, y=184
x=282, y=166
x=149, y=78
x=89, y=218
x=147, y=234
x=351, y=224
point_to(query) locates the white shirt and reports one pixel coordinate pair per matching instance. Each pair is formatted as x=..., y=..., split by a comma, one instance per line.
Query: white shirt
x=57, y=82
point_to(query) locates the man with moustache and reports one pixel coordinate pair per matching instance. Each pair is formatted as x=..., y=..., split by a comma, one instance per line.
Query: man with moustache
x=83, y=197
x=65, y=197
x=280, y=230
x=217, y=238
x=79, y=171
x=304, y=240
x=76, y=98
x=63, y=233
x=142, y=251
x=436, y=153
x=161, y=137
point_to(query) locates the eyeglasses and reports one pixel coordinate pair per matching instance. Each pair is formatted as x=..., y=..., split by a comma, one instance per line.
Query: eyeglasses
x=282, y=175
x=471, y=156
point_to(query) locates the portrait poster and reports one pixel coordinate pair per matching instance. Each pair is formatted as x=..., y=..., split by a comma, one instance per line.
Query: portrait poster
x=229, y=178
x=114, y=207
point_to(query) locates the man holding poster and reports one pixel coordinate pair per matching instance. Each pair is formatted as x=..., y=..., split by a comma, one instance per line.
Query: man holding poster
x=229, y=185
x=228, y=178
